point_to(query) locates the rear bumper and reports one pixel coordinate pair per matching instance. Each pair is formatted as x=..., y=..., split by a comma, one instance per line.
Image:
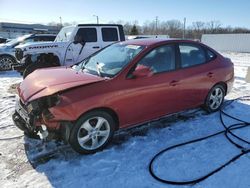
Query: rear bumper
x=230, y=85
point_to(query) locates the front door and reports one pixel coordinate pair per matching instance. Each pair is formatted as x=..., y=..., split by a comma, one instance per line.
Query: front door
x=154, y=95
x=77, y=52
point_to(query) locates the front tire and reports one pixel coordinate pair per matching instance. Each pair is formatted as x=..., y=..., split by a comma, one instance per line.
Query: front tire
x=215, y=98
x=92, y=132
x=36, y=65
x=30, y=68
x=6, y=63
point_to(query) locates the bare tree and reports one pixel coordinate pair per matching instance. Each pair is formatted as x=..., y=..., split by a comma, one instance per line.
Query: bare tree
x=213, y=26
x=173, y=28
x=148, y=28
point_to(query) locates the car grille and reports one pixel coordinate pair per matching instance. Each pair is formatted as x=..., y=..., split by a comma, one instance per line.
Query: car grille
x=23, y=106
x=19, y=54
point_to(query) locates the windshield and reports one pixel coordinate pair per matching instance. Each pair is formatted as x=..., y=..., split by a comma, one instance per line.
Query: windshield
x=64, y=34
x=111, y=60
x=18, y=40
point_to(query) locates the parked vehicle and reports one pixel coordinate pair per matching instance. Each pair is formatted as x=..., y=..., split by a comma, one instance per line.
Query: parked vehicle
x=7, y=50
x=72, y=44
x=3, y=40
x=124, y=84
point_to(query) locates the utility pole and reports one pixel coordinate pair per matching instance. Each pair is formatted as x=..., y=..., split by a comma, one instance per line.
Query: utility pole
x=156, y=24
x=60, y=20
x=97, y=18
x=184, y=29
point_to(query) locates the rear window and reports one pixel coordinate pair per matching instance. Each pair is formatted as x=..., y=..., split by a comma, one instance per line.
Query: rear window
x=109, y=34
x=88, y=34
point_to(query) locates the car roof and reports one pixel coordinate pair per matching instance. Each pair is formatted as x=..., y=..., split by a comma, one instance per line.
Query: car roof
x=154, y=41
x=99, y=25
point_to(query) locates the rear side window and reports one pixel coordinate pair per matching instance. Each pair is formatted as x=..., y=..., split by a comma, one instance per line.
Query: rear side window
x=88, y=34
x=109, y=34
x=161, y=59
x=44, y=38
x=48, y=38
x=210, y=55
x=191, y=55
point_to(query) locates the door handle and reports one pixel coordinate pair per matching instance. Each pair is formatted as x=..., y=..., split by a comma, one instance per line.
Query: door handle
x=210, y=74
x=174, y=83
x=96, y=47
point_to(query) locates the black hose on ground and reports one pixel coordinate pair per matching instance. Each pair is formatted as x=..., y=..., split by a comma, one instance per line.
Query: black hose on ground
x=4, y=127
x=227, y=131
x=11, y=138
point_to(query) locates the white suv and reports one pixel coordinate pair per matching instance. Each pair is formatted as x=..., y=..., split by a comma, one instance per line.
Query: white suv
x=72, y=45
x=7, y=50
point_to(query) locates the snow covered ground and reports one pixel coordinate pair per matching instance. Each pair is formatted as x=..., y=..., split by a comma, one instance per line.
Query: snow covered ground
x=125, y=162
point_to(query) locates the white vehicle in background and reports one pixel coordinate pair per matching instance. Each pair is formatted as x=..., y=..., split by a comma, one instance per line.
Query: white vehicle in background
x=7, y=50
x=72, y=45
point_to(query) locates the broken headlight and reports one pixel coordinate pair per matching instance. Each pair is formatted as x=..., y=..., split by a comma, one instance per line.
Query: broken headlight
x=52, y=100
x=41, y=104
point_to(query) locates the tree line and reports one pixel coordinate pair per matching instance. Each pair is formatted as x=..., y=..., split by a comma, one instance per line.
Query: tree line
x=175, y=28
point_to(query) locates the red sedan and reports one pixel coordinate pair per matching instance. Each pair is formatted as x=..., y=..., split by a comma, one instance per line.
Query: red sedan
x=125, y=84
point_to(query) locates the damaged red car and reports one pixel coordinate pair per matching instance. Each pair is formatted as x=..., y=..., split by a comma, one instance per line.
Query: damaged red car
x=124, y=84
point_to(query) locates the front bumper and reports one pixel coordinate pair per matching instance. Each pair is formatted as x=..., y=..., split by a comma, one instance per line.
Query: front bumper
x=31, y=123
x=22, y=119
x=19, y=54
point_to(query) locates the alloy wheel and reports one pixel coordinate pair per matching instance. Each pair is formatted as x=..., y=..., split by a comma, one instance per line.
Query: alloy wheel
x=216, y=98
x=93, y=133
x=5, y=63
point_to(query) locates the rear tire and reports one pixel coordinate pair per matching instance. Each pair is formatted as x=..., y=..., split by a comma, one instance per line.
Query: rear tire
x=92, y=132
x=215, y=98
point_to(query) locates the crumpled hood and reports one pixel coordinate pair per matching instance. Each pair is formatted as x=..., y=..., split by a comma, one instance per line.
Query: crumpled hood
x=45, y=82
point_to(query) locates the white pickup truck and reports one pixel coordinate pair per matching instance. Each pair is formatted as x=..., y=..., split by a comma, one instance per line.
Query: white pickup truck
x=72, y=45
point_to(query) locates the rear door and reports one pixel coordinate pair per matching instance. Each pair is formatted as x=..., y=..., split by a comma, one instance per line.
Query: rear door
x=195, y=74
x=109, y=35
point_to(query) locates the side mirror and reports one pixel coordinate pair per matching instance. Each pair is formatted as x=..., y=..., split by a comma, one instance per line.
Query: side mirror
x=141, y=71
x=79, y=39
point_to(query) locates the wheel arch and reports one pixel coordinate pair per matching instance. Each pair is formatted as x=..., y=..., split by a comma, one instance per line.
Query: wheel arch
x=50, y=55
x=222, y=84
x=218, y=83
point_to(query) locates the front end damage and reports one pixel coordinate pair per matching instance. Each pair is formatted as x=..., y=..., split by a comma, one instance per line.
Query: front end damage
x=37, y=121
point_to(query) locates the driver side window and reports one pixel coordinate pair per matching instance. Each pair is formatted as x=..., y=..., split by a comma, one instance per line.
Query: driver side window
x=87, y=34
x=160, y=59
